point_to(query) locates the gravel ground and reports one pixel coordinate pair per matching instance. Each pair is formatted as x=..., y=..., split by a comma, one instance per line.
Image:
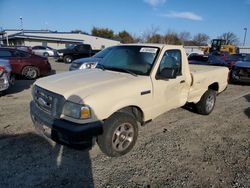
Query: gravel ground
x=178, y=149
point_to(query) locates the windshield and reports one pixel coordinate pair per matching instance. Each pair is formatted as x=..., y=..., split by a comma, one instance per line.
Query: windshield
x=70, y=46
x=247, y=58
x=136, y=59
x=102, y=53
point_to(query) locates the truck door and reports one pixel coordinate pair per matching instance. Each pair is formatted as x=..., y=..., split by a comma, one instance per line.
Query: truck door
x=170, y=93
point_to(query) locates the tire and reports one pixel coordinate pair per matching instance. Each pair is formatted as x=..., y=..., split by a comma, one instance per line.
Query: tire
x=207, y=102
x=120, y=133
x=67, y=59
x=30, y=72
x=12, y=79
x=45, y=54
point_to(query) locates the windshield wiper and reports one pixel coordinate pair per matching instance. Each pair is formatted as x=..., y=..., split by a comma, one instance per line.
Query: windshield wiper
x=122, y=70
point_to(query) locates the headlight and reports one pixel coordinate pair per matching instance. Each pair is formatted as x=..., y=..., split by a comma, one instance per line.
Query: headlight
x=89, y=65
x=60, y=54
x=2, y=70
x=76, y=111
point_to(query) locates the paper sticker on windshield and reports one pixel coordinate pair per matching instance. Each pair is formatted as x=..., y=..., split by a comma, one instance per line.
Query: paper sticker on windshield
x=149, y=50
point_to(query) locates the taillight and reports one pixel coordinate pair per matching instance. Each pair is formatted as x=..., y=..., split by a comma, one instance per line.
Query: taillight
x=2, y=70
x=46, y=62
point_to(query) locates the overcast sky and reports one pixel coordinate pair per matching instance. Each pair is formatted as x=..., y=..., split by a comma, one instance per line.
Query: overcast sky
x=212, y=17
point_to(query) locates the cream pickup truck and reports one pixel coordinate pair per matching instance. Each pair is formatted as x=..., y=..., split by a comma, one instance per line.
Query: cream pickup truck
x=131, y=86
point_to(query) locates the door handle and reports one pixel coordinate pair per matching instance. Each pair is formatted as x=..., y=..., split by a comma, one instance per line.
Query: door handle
x=183, y=81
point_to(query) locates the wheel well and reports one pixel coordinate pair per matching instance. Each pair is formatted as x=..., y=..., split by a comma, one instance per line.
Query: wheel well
x=135, y=111
x=214, y=86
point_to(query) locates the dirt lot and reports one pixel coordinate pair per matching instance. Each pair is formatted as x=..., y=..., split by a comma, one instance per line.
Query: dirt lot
x=178, y=149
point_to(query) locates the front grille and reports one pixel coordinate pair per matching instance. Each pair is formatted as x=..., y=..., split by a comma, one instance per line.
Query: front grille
x=243, y=72
x=47, y=101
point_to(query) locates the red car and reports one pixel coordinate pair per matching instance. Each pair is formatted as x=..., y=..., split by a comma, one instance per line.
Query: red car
x=26, y=64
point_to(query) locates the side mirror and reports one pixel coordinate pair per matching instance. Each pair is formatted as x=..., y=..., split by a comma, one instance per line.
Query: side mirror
x=167, y=73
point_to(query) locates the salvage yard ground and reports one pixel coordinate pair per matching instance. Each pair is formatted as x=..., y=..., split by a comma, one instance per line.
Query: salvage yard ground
x=179, y=149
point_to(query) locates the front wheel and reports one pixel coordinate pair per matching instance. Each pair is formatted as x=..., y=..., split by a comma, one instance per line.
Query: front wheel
x=120, y=133
x=12, y=79
x=67, y=59
x=207, y=102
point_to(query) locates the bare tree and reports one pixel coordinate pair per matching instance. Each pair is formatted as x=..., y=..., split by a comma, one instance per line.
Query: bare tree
x=200, y=39
x=171, y=37
x=230, y=38
x=157, y=38
x=149, y=33
x=184, y=37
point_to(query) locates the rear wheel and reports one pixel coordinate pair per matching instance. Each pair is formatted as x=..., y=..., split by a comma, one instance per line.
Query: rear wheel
x=45, y=54
x=67, y=59
x=207, y=102
x=120, y=133
x=30, y=72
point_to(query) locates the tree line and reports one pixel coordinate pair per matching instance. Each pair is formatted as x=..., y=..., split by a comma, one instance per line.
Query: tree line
x=152, y=35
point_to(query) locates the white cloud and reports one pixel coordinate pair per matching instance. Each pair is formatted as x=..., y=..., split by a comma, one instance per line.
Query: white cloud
x=154, y=3
x=184, y=15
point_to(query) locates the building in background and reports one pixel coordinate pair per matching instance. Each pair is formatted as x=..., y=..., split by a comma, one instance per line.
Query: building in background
x=53, y=39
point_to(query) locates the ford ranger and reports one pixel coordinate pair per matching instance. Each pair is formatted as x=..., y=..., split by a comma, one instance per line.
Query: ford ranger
x=131, y=86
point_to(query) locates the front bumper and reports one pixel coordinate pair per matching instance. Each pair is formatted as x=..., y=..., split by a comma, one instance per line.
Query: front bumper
x=62, y=131
x=4, y=82
x=243, y=78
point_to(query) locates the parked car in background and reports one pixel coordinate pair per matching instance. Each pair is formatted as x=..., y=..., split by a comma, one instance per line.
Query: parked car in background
x=241, y=70
x=232, y=59
x=89, y=62
x=75, y=51
x=6, y=77
x=211, y=59
x=193, y=54
x=23, y=48
x=44, y=51
x=26, y=64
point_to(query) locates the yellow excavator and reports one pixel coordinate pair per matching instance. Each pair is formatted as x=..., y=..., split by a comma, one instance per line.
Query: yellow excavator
x=220, y=45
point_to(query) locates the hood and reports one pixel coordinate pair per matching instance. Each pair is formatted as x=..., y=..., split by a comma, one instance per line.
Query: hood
x=243, y=64
x=64, y=50
x=82, y=82
x=86, y=60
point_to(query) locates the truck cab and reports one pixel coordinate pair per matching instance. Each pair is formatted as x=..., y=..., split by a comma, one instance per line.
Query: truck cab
x=75, y=51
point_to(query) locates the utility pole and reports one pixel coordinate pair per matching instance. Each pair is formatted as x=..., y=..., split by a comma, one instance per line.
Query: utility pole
x=245, y=36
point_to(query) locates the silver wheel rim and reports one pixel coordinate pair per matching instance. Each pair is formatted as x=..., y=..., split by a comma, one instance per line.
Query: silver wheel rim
x=123, y=137
x=210, y=103
x=30, y=72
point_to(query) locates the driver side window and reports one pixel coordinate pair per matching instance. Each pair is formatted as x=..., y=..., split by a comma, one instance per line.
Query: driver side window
x=171, y=59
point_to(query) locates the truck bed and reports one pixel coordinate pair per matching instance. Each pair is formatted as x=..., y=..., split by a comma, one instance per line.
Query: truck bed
x=204, y=68
x=203, y=76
